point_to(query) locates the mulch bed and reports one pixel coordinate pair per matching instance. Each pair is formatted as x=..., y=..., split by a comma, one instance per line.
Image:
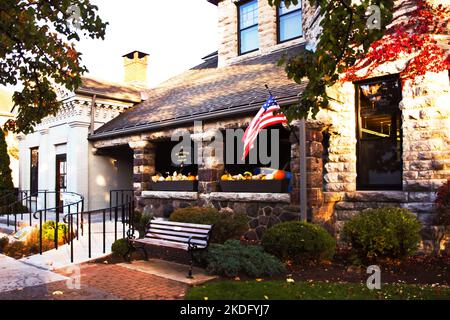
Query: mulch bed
x=414, y=270
x=424, y=270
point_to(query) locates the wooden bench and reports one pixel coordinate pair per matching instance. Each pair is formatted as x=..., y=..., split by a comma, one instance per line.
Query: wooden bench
x=179, y=235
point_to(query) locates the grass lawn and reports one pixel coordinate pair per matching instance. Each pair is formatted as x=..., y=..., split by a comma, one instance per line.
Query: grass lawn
x=281, y=290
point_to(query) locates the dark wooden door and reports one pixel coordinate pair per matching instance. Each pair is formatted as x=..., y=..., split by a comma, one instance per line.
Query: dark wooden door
x=61, y=178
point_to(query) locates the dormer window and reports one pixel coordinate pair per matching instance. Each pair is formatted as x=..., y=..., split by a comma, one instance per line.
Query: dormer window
x=248, y=27
x=289, y=22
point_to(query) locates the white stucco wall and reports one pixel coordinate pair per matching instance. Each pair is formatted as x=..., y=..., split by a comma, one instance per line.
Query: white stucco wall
x=67, y=133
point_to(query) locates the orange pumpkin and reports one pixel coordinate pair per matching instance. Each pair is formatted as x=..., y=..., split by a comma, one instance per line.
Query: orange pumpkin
x=279, y=175
x=191, y=178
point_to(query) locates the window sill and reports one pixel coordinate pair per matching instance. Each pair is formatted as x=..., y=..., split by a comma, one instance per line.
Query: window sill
x=247, y=197
x=179, y=195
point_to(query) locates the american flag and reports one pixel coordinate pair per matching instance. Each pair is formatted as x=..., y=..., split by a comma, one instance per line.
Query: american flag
x=263, y=119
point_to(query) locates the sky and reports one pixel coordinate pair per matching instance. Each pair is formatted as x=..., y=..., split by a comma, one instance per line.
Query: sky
x=176, y=34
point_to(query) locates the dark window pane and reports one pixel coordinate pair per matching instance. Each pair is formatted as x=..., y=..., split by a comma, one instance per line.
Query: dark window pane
x=249, y=39
x=380, y=138
x=34, y=170
x=291, y=26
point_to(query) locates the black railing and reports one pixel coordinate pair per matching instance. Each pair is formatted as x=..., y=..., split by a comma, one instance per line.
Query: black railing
x=76, y=203
x=74, y=217
x=126, y=210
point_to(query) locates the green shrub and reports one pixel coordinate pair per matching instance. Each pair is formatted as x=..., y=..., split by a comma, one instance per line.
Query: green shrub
x=140, y=222
x=226, y=225
x=120, y=247
x=233, y=258
x=4, y=241
x=299, y=241
x=48, y=231
x=383, y=233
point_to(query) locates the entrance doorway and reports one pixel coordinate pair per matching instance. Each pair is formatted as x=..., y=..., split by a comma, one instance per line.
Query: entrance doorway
x=61, y=178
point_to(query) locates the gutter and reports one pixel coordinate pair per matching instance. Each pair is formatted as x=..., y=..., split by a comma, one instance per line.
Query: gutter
x=224, y=113
x=104, y=96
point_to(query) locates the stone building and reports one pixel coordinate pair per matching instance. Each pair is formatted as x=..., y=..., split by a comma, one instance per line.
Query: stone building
x=356, y=158
x=382, y=142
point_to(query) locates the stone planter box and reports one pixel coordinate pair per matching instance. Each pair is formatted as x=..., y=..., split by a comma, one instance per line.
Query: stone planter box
x=175, y=186
x=258, y=186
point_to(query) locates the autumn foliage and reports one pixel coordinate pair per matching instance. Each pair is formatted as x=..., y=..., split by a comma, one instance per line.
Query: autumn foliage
x=413, y=39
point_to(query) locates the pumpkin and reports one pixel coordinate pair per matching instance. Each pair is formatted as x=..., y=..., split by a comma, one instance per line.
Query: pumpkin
x=279, y=175
x=191, y=178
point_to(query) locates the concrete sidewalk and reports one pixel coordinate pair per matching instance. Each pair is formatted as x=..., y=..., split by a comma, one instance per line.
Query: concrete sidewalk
x=16, y=275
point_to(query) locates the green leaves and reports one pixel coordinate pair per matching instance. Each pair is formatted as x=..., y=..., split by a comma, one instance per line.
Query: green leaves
x=344, y=38
x=37, y=49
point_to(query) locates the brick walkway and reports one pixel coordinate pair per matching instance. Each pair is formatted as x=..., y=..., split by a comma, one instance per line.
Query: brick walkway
x=104, y=282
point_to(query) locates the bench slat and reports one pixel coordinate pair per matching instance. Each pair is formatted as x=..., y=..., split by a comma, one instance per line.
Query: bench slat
x=180, y=229
x=177, y=245
x=177, y=233
x=178, y=239
x=181, y=224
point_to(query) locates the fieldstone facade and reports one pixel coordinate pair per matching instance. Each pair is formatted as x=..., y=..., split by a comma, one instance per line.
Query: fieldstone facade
x=263, y=209
x=331, y=149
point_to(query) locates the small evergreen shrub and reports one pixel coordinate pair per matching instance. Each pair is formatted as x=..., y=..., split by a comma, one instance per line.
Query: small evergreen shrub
x=299, y=241
x=226, y=225
x=4, y=241
x=140, y=222
x=383, y=233
x=232, y=259
x=120, y=247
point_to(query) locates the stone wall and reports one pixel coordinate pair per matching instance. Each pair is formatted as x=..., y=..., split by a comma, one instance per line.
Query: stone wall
x=263, y=210
x=426, y=154
x=267, y=27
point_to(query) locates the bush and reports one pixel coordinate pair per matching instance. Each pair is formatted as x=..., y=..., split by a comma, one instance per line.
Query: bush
x=4, y=241
x=442, y=202
x=299, y=241
x=48, y=232
x=120, y=247
x=383, y=233
x=226, y=225
x=140, y=222
x=232, y=258
x=16, y=250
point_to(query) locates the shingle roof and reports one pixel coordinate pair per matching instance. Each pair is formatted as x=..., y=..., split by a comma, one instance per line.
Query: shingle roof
x=207, y=90
x=109, y=89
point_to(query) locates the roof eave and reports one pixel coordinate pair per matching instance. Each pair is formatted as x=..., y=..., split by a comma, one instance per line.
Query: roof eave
x=176, y=122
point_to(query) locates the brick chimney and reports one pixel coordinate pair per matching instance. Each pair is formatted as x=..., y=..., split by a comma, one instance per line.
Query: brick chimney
x=135, y=64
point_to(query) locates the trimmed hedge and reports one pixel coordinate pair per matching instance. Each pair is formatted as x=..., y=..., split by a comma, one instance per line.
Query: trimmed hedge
x=299, y=241
x=226, y=225
x=383, y=233
x=232, y=259
x=120, y=247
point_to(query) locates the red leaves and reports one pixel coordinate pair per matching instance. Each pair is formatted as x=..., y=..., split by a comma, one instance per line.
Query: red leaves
x=406, y=38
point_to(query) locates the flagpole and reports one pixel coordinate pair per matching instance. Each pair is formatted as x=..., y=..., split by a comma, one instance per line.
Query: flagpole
x=287, y=124
x=302, y=183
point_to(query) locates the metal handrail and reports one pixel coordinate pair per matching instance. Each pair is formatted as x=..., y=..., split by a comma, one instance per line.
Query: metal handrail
x=57, y=211
x=127, y=212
